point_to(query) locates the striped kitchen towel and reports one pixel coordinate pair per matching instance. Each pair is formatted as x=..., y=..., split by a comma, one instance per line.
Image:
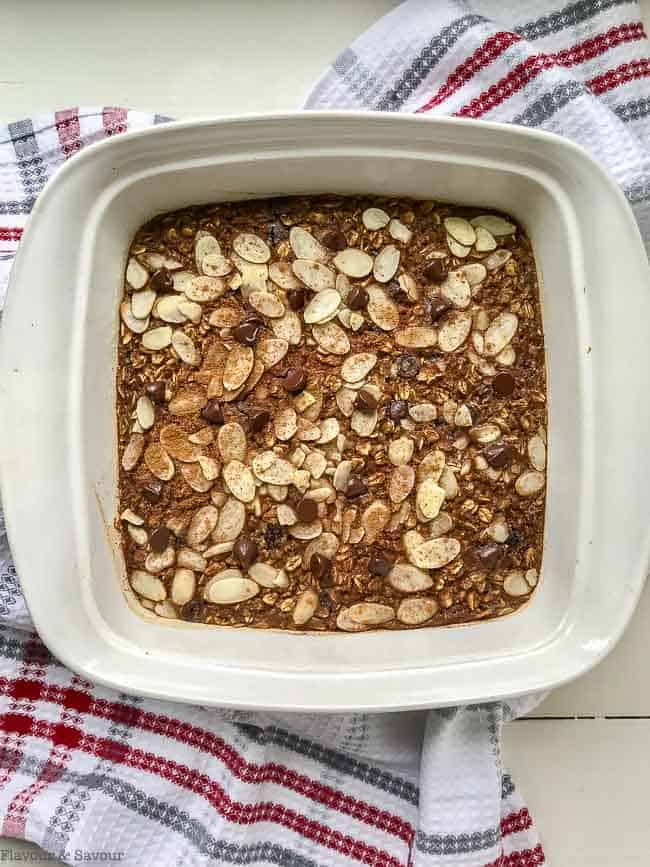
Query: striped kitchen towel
x=84, y=770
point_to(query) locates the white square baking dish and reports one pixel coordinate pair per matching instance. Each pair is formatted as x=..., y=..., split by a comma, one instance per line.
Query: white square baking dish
x=57, y=362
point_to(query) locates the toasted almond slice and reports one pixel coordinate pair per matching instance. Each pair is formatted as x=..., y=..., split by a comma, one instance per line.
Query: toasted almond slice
x=486, y=433
x=142, y=303
x=448, y=483
x=401, y=483
x=263, y=573
x=497, y=259
x=371, y=613
x=364, y=423
x=232, y=519
x=185, y=348
x=400, y=451
x=474, y=273
x=209, y=467
x=374, y=218
x=407, y=578
x=356, y=367
x=203, y=437
x=399, y=231
x=329, y=430
x=423, y=412
x=316, y=464
x=183, y=586
x=323, y=305
x=537, y=453
x=252, y=248
x=189, y=559
x=191, y=310
x=239, y=364
x=415, y=611
x=529, y=483
x=281, y=273
x=158, y=260
x=416, y=337
x=286, y=515
x=381, y=309
x=375, y=520
x=308, y=431
x=326, y=545
x=485, y=241
x=158, y=462
x=441, y=525
x=175, y=442
x=460, y=230
x=345, y=398
x=193, y=475
x=271, y=468
x=431, y=466
x=313, y=410
x=136, y=274
x=313, y=274
x=515, y=584
x=145, y=412
x=495, y=225
x=305, y=532
x=288, y=327
x=188, y=401
x=230, y=590
x=240, y=481
x=499, y=529
x=507, y=356
x=224, y=317
x=253, y=277
x=130, y=517
x=157, y=338
x=342, y=476
x=205, y=289
x=267, y=304
x=138, y=534
x=148, y=585
x=301, y=480
x=137, y=326
x=455, y=331
x=347, y=624
x=331, y=338
x=353, y=262
x=205, y=244
x=181, y=280
x=215, y=265
x=429, y=499
x=168, y=309
x=231, y=441
x=202, y=524
x=456, y=289
x=132, y=452
x=458, y=250
x=436, y=553
x=500, y=332
x=386, y=263
x=305, y=246
x=285, y=423
x=305, y=608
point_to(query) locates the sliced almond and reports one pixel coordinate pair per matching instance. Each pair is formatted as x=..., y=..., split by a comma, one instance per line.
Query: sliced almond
x=386, y=263
x=271, y=468
x=193, y=475
x=185, y=348
x=157, y=562
x=497, y=259
x=288, y=327
x=281, y=273
x=474, y=273
x=457, y=249
x=168, y=309
x=304, y=532
x=456, y=289
x=326, y=545
x=415, y=611
x=500, y=332
x=253, y=277
x=286, y=515
x=322, y=306
x=315, y=464
x=401, y=483
x=176, y=443
x=278, y=493
x=499, y=529
x=148, y=586
x=506, y=357
x=132, y=452
x=495, y=225
x=515, y=584
x=267, y=304
x=189, y=559
x=342, y=476
x=308, y=431
x=239, y=364
x=158, y=462
x=329, y=430
x=205, y=244
x=399, y=231
x=353, y=262
x=347, y=624
x=440, y=525
x=183, y=586
x=191, y=310
x=331, y=338
x=485, y=241
x=215, y=265
x=375, y=520
x=202, y=524
x=423, y=412
x=455, y=331
x=486, y=433
x=409, y=287
x=537, y=453
x=205, y=289
x=400, y=451
x=529, y=483
x=231, y=442
x=431, y=466
x=130, y=517
x=364, y=423
x=137, y=326
x=138, y=534
x=375, y=218
x=429, y=499
x=436, y=553
x=136, y=274
x=407, y=578
x=416, y=337
x=460, y=230
x=158, y=260
x=381, y=309
x=224, y=317
x=252, y=248
x=230, y=590
x=305, y=608
x=231, y=521
x=305, y=246
x=313, y=274
x=157, y=338
x=371, y=613
x=209, y=467
x=285, y=423
x=188, y=401
x=263, y=573
x=142, y=303
x=271, y=350
x=463, y=416
x=358, y=366
x=181, y=280
x=345, y=398
x=448, y=483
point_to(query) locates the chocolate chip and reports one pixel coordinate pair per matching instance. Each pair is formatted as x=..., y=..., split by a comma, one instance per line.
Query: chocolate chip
x=503, y=384
x=407, y=366
x=213, y=411
x=436, y=272
x=277, y=233
x=273, y=536
x=160, y=539
x=356, y=488
x=307, y=510
x=297, y=299
x=357, y=298
x=319, y=566
x=333, y=239
x=151, y=490
x=397, y=410
x=366, y=401
x=161, y=281
x=259, y=420
x=247, y=331
x=380, y=564
x=499, y=455
x=156, y=390
x=437, y=307
x=245, y=551
x=514, y=539
x=294, y=380
x=194, y=611
x=488, y=555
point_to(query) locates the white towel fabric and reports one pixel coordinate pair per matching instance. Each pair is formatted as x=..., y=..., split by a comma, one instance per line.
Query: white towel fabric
x=84, y=770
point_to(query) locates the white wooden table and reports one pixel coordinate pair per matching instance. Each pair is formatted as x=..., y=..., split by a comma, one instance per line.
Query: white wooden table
x=583, y=761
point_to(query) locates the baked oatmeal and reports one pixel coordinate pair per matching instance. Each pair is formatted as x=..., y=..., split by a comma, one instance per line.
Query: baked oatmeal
x=331, y=414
